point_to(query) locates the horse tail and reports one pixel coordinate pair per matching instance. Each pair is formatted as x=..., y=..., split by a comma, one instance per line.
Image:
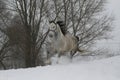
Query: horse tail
x=79, y=50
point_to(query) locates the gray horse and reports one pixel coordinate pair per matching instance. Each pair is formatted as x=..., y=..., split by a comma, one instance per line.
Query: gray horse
x=63, y=41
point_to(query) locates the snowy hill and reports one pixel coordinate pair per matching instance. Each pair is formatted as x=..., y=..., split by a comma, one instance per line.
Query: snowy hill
x=105, y=69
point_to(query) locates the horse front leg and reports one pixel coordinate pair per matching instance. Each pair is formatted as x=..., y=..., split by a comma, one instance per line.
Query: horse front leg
x=48, y=60
x=59, y=56
x=72, y=53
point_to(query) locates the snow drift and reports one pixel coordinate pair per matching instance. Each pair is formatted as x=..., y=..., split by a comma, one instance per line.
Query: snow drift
x=105, y=69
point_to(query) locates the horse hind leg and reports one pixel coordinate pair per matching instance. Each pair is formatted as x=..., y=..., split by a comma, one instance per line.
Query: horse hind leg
x=59, y=55
x=72, y=53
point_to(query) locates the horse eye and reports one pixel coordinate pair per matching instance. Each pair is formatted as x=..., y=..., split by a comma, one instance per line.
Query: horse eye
x=54, y=27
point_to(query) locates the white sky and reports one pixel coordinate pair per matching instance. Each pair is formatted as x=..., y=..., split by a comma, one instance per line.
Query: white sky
x=113, y=7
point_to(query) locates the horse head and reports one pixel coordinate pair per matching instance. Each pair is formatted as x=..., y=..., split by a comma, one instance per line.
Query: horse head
x=53, y=25
x=60, y=25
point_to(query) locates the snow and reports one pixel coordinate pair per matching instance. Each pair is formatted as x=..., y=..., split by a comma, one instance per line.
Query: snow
x=104, y=69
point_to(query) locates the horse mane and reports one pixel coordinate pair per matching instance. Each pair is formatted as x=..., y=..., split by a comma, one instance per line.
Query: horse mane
x=77, y=38
x=51, y=21
x=62, y=27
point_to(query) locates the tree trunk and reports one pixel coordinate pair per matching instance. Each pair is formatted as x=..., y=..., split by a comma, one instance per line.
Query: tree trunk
x=4, y=67
x=30, y=57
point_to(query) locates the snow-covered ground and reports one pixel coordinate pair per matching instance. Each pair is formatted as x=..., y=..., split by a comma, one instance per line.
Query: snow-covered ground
x=105, y=69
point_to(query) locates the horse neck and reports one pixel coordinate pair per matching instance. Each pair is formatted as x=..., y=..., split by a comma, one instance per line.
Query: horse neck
x=60, y=34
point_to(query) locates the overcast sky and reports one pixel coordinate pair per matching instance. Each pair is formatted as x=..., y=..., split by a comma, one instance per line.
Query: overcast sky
x=113, y=7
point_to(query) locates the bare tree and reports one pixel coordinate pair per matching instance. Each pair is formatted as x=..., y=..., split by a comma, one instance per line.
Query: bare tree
x=25, y=31
x=31, y=13
x=3, y=38
x=86, y=18
x=3, y=52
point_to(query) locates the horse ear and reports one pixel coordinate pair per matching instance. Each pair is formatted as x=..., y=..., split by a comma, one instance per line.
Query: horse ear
x=51, y=21
x=60, y=23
